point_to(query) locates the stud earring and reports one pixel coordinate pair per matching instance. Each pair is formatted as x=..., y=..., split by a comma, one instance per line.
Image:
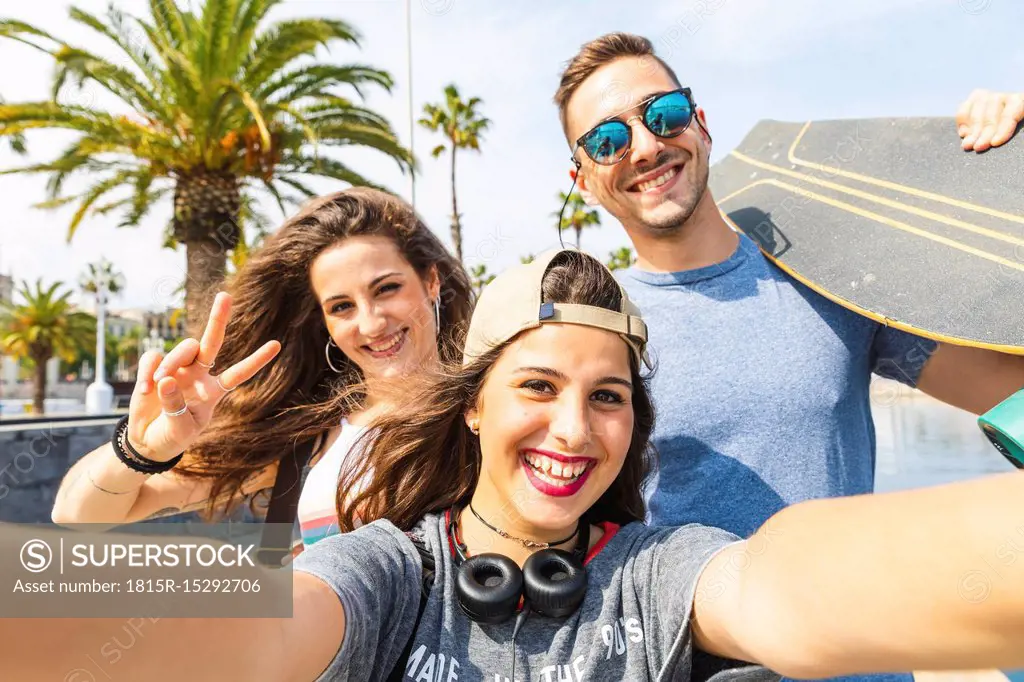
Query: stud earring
x=475, y=428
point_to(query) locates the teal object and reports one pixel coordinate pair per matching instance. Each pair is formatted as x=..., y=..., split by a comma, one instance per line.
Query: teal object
x=1004, y=426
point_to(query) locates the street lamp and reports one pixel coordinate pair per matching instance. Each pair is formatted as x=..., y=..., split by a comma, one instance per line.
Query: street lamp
x=101, y=280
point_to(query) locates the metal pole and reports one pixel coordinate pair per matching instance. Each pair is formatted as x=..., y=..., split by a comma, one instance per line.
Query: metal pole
x=408, y=55
x=99, y=395
x=101, y=333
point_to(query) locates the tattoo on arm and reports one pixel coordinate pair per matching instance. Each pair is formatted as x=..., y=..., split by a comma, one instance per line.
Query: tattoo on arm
x=166, y=511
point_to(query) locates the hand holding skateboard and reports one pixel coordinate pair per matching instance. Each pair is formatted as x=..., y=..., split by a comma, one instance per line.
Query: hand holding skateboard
x=989, y=119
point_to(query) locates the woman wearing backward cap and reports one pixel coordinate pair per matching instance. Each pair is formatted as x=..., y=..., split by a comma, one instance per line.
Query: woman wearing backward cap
x=513, y=492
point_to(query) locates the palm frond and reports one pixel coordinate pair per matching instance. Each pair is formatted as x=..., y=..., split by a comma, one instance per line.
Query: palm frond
x=16, y=118
x=276, y=194
x=338, y=111
x=328, y=168
x=169, y=21
x=17, y=30
x=94, y=194
x=212, y=41
x=289, y=40
x=311, y=80
x=295, y=184
x=129, y=41
x=181, y=75
x=375, y=138
x=250, y=14
x=85, y=67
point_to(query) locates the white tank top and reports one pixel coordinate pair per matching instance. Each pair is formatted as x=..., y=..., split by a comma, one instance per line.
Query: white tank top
x=317, y=514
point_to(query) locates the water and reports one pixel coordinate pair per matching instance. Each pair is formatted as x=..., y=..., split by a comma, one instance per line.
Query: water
x=923, y=442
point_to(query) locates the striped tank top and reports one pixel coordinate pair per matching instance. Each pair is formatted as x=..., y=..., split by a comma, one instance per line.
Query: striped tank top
x=317, y=515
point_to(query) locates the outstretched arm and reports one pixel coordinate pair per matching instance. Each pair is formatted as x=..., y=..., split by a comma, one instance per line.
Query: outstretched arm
x=929, y=579
x=99, y=490
x=172, y=649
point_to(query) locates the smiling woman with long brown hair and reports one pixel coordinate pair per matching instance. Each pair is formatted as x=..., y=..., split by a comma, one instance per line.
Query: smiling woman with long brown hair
x=350, y=297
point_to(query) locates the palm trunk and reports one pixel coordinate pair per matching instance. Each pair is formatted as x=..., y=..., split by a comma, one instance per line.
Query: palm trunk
x=206, y=207
x=205, y=270
x=39, y=386
x=578, y=231
x=456, y=224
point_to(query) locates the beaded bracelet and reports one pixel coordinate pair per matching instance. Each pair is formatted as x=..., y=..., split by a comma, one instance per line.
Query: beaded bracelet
x=133, y=459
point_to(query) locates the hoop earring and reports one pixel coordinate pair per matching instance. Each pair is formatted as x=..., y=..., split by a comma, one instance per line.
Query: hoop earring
x=327, y=354
x=437, y=316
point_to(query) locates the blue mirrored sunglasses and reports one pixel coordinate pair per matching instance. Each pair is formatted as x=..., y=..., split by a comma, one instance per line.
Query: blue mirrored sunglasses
x=665, y=115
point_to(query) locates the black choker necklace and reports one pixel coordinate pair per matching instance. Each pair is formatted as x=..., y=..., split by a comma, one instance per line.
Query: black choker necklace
x=529, y=544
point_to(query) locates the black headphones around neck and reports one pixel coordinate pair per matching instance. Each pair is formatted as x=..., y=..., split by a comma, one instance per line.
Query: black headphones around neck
x=489, y=586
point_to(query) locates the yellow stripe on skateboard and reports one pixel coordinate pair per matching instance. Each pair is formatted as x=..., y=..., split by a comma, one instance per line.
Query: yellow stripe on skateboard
x=867, y=196
x=941, y=198
x=872, y=315
x=871, y=215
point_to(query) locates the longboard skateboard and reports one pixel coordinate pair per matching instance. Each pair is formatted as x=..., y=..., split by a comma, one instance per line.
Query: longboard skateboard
x=892, y=219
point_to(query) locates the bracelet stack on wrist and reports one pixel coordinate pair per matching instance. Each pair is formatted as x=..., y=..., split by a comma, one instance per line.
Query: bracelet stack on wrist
x=132, y=458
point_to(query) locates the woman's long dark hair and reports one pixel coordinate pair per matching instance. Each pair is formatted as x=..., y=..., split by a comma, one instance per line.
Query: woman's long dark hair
x=256, y=425
x=423, y=458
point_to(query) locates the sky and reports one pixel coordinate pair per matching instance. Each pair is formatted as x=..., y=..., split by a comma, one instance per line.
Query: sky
x=746, y=60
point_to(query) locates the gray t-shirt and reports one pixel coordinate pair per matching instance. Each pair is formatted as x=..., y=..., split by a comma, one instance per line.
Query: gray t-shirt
x=633, y=623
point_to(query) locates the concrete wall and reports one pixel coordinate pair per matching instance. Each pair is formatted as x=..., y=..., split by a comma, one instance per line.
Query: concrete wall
x=35, y=457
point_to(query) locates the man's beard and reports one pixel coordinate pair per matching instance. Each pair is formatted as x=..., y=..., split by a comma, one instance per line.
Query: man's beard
x=677, y=219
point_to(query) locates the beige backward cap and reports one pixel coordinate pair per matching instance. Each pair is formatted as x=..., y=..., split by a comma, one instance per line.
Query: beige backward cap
x=513, y=303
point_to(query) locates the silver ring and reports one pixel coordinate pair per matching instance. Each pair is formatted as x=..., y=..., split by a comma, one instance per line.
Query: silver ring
x=180, y=412
x=206, y=366
x=223, y=387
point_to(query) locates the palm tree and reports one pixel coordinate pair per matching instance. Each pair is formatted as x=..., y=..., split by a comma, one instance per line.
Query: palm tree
x=577, y=216
x=257, y=227
x=480, y=278
x=462, y=124
x=43, y=326
x=621, y=258
x=220, y=105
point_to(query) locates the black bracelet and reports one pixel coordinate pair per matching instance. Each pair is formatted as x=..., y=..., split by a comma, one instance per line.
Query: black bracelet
x=133, y=459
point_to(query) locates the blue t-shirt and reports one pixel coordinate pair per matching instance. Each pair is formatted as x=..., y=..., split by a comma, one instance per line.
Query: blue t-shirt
x=761, y=389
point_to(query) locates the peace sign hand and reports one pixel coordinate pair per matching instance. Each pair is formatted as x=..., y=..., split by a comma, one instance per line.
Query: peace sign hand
x=175, y=396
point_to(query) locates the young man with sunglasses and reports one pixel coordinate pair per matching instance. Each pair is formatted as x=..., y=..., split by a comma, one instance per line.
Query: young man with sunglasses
x=762, y=386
